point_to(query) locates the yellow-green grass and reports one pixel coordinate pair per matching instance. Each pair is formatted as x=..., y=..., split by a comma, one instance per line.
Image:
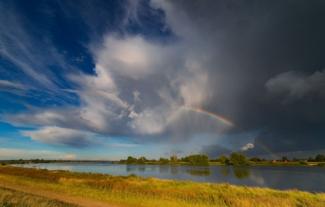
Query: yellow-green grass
x=11, y=198
x=149, y=192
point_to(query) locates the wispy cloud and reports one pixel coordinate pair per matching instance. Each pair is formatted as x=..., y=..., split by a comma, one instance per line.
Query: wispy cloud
x=26, y=51
x=15, y=153
x=123, y=145
x=5, y=84
x=63, y=136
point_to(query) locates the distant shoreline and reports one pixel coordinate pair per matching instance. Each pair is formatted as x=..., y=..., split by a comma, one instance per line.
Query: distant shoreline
x=213, y=163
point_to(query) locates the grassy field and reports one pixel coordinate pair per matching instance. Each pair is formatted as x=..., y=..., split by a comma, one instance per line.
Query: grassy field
x=12, y=198
x=147, y=192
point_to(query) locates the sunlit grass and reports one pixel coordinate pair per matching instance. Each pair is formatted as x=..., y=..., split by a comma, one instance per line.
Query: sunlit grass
x=136, y=191
x=11, y=198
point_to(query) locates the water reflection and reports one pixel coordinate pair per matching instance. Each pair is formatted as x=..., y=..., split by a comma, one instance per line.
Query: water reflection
x=130, y=168
x=238, y=172
x=163, y=168
x=199, y=172
x=241, y=172
x=135, y=168
x=141, y=168
x=224, y=170
x=174, y=169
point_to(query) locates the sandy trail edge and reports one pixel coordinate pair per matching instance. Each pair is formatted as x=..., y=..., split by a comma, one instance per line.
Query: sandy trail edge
x=79, y=201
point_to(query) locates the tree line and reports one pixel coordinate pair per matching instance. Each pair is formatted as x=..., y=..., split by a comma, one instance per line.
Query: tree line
x=195, y=159
x=236, y=159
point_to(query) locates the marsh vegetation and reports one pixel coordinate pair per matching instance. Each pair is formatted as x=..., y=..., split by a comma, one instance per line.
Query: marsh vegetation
x=136, y=191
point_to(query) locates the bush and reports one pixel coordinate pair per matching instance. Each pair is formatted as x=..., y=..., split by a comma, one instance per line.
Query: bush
x=238, y=159
x=224, y=160
x=131, y=160
x=197, y=159
x=256, y=159
x=173, y=158
x=303, y=163
x=163, y=160
x=142, y=160
x=320, y=158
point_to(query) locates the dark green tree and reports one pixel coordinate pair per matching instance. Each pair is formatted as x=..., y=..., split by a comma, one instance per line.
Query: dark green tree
x=131, y=160
x=238, y=159
x=142, y=160
x=320, y=158
x=224, y=160
x=163, y=160
x=198, y=159
x=284, y=159
x=173, y=158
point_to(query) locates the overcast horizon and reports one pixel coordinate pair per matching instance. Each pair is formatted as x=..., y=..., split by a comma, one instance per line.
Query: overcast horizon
x=108, y=79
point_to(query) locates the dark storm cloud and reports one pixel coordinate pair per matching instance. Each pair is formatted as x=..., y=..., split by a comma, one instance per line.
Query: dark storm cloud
x=252, y=46
x=293, y=85
x=214, y=151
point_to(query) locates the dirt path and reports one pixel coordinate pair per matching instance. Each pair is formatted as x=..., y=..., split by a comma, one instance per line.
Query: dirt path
x=79, y=201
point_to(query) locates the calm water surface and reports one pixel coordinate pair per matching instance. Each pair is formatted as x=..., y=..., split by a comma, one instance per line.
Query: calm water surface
x=302, y=178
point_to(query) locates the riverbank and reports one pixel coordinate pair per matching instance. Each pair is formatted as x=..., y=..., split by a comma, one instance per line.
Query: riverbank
x=136, y=191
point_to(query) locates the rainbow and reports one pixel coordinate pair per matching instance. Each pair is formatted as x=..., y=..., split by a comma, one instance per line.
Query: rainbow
x=210, y=114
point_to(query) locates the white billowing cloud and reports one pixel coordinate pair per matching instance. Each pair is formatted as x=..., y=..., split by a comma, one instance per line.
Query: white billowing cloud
x=139, y=88
x=247, y=146
x=14, y=153
x=194, y=89
x=295, y=85
x=100, y=99
x=109, y=106
x=132, y=57
x=59, y=135
x=136, y=96
x=150, y=121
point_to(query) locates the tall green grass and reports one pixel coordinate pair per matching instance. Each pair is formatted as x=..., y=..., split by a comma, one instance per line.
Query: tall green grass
x=148, y=192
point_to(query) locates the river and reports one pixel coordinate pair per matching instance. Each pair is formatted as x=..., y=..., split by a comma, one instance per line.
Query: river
x=303, y=178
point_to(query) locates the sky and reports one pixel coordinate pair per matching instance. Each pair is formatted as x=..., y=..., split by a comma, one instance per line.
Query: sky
x=91, y=79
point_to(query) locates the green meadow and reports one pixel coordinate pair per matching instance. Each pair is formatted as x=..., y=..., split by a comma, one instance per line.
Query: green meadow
x=63, y=188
